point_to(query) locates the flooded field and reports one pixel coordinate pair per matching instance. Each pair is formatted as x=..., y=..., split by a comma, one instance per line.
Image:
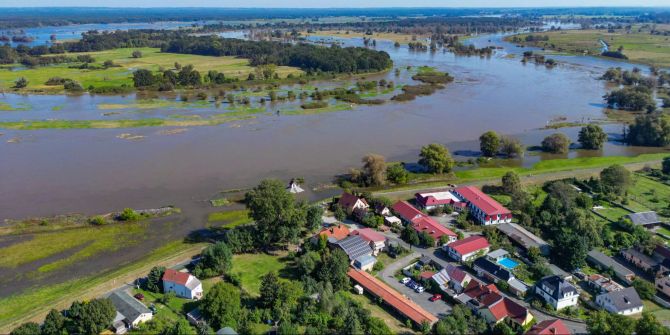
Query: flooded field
x=47, y=172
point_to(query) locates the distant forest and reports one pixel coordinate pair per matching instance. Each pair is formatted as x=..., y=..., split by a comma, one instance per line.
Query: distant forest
x=305, y=56
x=33, y=17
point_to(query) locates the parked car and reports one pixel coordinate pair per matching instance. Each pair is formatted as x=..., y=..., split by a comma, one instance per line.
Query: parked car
x=405, y=280
x=410, y=283
x=436, y=297
x=419, y=289
x=139, y=296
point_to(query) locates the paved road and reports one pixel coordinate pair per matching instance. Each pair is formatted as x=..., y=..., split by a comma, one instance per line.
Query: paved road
x=437, y=308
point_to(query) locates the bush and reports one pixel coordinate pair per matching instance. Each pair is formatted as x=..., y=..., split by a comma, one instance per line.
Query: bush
x=21, y=83
x=97, y=220
x=556, y=143
x=137, y=54
x=129, y=214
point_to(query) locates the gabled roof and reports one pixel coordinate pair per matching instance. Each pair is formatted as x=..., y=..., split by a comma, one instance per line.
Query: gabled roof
x=556, y=287
x=507, y=308
x=436, y=198
x=337, y=232
x=432, y=227
x=606, y=262
x=451, y=273
x=482, y=201
x=469, y=244
x=476, y=289
x=644, y=218
x=369, y=235
x=493, y=268
x=624, y=299
x=354, y=247
x=549, y=327
x=348, y=200
x=176, y=277
x=633, y=252
x=407, y=211
x=128, y=306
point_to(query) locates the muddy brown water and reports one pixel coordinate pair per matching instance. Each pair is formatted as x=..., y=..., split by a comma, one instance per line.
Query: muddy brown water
x=92, y=171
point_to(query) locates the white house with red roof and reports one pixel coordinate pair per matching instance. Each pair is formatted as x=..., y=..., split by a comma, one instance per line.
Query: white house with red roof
x=435, y=199
x=467, y=248
x=351, y=203
x=422, y=222
x=486, y=301
x=182, y=284
x=376, y=239
x=486, y=210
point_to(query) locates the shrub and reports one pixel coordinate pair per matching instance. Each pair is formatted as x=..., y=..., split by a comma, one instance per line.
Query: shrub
x=556, y=143
x=129, y=214
x=137, y=54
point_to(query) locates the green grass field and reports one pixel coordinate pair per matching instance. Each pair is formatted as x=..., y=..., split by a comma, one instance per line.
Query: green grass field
x=650, y=193
x=151, y=59
x=662, y=314
x=613, y=213
x=252, y=267
x=229, y=219
x=639, y=47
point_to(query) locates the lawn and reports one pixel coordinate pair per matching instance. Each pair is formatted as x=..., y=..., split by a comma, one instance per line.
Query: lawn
x=151, y=59
x=613, y=213
x=396, y=326
x=250, y=268
x=639, y=47
x=662, y=314
x=229, y=219
x=650, y=193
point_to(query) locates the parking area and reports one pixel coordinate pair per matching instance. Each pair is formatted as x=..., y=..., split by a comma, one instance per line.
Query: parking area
x=438, y=308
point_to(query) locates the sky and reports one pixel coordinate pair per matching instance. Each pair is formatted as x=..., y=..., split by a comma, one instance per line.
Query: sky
x=332, y=3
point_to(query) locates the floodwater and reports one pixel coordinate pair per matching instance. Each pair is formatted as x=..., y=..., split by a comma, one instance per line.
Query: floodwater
x=90, y=171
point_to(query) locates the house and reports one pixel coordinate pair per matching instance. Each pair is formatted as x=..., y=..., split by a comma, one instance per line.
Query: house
x=382, y=210
x=365, y=262
x=497, y=273
x=433, y=200
x=557, y=292
x=467, y=248
x=182, y=284
x=351, y=203
x=604, y=262
x=661, y=253
x=333, y=233
x=663, y=283
x=434, y=229
x=391, y=297
x=497, y=255
x=639, y=259
x=406, y=212
x=486, y=301
x=624, y=302
x=392, y=221
x=377, y=240
x=354, y=247
x=549, y=327
x=452, y=277
x=486, y=210
x=130, y=312
x=645, y=219
x=602, y=284
x=523, y=238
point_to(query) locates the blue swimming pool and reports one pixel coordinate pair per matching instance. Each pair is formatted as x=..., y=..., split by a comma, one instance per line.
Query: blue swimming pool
x=508, y=263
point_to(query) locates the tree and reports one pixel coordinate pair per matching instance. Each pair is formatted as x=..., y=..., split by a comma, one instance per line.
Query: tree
x=616, y=178
x=570, y=250
x=90, y=317
x=314, y=217
x=137, y=54
x=374, y=170
x=397, y=174
x=602, y=322
x=340, y=214
x=649, y=130
x=592, y=137
x=436, y=158
x=503, y=328
x=410, y=235
x=278, y=218
x=377, y=326
x=154, y=281
x=181, y=327
x=511, y=183
x=511, y=147
x=489, y=143
x=287, y=328
x=222, y=305
x=666, y=165
x=334, y=269
x=54, y=323
x=215, y=260
x=143, y=78
x=21, y=83
x=649, y=325
x=269, y=291
x=645, y=289
x=28, y=328
x=426, y=240
x=556, y=143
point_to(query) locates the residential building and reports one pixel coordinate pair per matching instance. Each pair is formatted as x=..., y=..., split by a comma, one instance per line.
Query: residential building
x=406, y=212
x=422, y=222
x=557, y=292
x=130, y=312
x=549, y=327
x=624, y=302
x=602, y=284
x=497, y=255
x=333, y=233
x=182, y=284
x=433, y=200
x=645, y=219
x=486, y=210
x=495, y=272
x=365, y=262
x=639, y=259
x=604, y=263
x=486, y=301
x=377, y=240
x=351, y=203
x=392, y=221
x=663, y=283
x=661, y=253
x=452, y=277
x=391, y=297
x=382, y=210
x=467, y=248
x=523, y=238
x=354, y=247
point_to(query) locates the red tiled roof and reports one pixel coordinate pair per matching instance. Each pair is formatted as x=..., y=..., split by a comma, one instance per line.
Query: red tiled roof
x=176, y=277
x=469, y=244
x=338, y=232
x=402, y=304
x=476, y=289
x=427, y=274
x=549, y=327
x=348, y=200
x=432, y=227
x=369, y=235
x=482, y=201
x=507, y=308
x=407, y=211
x=427, y=199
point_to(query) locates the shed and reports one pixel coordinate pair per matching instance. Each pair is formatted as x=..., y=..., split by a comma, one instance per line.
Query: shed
x=358, y=289
x=365, y=262
x=645, y=219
